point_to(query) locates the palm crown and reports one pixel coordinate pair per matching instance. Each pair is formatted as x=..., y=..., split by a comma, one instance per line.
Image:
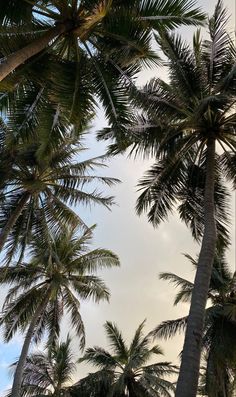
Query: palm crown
x=49, y=373
x=195, y=105
x=40, y=178
x=125, y=372
x=91, y=25
x=93, y=46
x=198, y=102
x=59, y=274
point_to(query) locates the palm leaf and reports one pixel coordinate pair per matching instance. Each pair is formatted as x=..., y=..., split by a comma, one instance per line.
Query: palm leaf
x=116, y=340
x=169, y=328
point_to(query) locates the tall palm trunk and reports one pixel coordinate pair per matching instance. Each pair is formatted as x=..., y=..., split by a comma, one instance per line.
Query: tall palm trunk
x=189, y=371
x=16, y=387
x=12, y=220
x=19, y=57
x=131, y=387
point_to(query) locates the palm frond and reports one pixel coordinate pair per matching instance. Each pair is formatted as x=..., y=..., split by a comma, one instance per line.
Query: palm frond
x=116, y=340
x=216, y=49
x=72, y=305
x=99, y=357
x=168, y=329
x=186, y=287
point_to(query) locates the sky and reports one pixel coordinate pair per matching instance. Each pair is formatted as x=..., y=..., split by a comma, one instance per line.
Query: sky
x=144, y=252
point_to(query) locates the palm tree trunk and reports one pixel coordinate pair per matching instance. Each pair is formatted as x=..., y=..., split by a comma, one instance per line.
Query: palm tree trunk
x=19, y=57
x=131, y=388
x=57, y=391
x=189, y=371
x=16, y=387
x=12, y=220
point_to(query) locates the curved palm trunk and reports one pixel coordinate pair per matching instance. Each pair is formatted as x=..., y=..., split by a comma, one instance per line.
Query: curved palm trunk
x=19, y=57
x=16, y=387
x=12, y=220
x=189, y=370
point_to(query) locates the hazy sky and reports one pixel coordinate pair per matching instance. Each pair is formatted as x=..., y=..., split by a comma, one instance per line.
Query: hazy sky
x=136, y=292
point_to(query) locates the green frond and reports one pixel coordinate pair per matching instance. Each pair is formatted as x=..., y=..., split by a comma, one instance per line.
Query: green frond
x=161, y=368
x=95, y=260
x=96, y=383
x=156, y=13
x=90, y=287
x=52, y=182
x=53, y=317
x=116, y=340
x=15, y=11
x=54, y=261
x=81, y=61
x=137, y=338
x=168, y=329
x=228, y=162
x=160, y=188
x=72, y=305
x=64, y=358
x=140, y=351
x=43, y=372
x=191, y=260
x=176, y=120
x=192, y=203
x=17, y=314
x=99, y=358
x=182, y=68
x=186, y=287
x=126, y=368
x=176, y=280
x=216, y=49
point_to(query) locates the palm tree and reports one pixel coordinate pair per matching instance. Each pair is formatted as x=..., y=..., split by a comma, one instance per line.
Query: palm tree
x=186, y=120
x=73, y=27
x=41, y=176
x=125, y=372
x=219, y=352
x=49, y=374
x=77, y=48
x=59, y=275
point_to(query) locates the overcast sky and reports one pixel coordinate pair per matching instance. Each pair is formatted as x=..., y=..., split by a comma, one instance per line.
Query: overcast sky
x=136, y=292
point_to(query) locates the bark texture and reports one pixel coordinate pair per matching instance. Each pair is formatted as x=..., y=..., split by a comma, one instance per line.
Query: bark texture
x=21, y=56
x=189, y=371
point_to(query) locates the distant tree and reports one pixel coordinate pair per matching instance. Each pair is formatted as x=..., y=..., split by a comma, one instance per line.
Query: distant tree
x=50, y=373
x=59, y=275
x=125, y=372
